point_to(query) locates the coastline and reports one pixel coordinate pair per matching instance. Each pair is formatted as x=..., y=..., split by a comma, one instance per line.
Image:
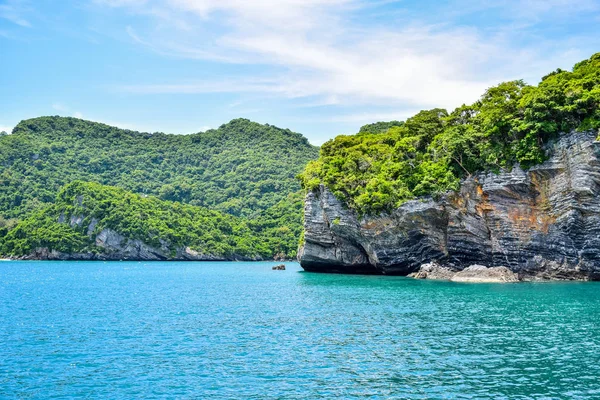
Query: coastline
x=100, y=259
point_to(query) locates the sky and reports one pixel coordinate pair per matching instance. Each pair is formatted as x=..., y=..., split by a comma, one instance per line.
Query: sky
x=318, y=67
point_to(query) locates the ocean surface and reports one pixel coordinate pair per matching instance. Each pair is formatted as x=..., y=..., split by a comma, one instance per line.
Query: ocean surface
x=124, y=330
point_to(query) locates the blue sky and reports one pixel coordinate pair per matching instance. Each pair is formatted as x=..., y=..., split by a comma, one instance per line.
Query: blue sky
x=319, y=67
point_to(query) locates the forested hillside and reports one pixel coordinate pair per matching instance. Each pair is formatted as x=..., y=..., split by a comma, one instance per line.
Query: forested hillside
x=241, y=168
x=82, y=210
x=231, y=190
x=239, y=180
x=385, y=165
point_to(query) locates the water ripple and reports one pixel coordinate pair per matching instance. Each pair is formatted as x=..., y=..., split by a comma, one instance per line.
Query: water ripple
x=240, y=330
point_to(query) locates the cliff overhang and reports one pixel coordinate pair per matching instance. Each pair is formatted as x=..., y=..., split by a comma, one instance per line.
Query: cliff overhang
x=541, y=223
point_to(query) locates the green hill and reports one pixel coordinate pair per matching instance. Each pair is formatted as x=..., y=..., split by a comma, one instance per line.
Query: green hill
x=388, y=163
x=82, y=210
x=241, y=168
x=235, y=184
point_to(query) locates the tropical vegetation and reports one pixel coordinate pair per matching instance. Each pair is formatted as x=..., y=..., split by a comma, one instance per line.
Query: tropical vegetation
x=232, y=192
x=238, y=183
x=81, y=210
x=382, y=167
x=241, y=168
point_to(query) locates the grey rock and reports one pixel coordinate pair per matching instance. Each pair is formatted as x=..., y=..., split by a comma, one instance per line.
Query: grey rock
x=76, y=220
x=188, y=254
x=541, y=223
x=117, y=246
x=92, y=226
x=433, y=271
x=114, y=247
x=483, y=274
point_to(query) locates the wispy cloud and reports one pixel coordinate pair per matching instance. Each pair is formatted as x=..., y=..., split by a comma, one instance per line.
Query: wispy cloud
x=14, y=11
x=318, y=49
x=535, y=10
x=370, y=117
x=232, y=85
x=59, y=107
x=63, y=109
x=121, y=3
x=173, y=48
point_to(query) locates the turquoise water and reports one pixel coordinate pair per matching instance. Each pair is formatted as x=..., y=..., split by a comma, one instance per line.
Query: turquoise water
x=240, y=330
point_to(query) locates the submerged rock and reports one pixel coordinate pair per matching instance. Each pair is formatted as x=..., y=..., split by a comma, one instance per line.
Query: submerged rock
x=541, y=223
x=280, y=267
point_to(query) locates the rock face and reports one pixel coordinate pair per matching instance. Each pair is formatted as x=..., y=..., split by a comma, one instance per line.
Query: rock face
x=116, y=247
x=473, y=274
x=542, y=223
x=483, y=274
x=433, y=271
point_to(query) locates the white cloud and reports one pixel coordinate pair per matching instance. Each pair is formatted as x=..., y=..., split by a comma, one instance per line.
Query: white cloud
x=4, y=128
x=13, y=11
x=533, y=10
x=175, y=49
x=321, y=52
x=64, y=109
x=226, y=86
x=364, y=118
x=60, y=107
x=121, y=3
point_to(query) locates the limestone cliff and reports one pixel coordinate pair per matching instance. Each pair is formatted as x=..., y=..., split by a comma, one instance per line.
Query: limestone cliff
x=114, y=247
x=541, y=223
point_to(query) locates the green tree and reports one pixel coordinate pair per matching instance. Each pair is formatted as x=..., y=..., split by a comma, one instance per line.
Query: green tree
x=379, y=169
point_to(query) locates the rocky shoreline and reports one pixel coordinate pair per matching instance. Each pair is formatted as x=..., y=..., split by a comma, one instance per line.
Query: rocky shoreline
x=472, y=274
x=44, y=254
x=540, y=224
x=113, y=246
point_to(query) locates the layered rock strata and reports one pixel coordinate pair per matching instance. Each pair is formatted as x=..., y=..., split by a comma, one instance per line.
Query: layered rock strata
x=541, y=223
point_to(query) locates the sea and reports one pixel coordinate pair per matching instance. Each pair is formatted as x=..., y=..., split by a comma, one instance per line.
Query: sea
x=240, y=330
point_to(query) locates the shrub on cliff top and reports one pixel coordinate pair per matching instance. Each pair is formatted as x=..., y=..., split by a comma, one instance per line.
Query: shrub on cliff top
x=377, y=170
